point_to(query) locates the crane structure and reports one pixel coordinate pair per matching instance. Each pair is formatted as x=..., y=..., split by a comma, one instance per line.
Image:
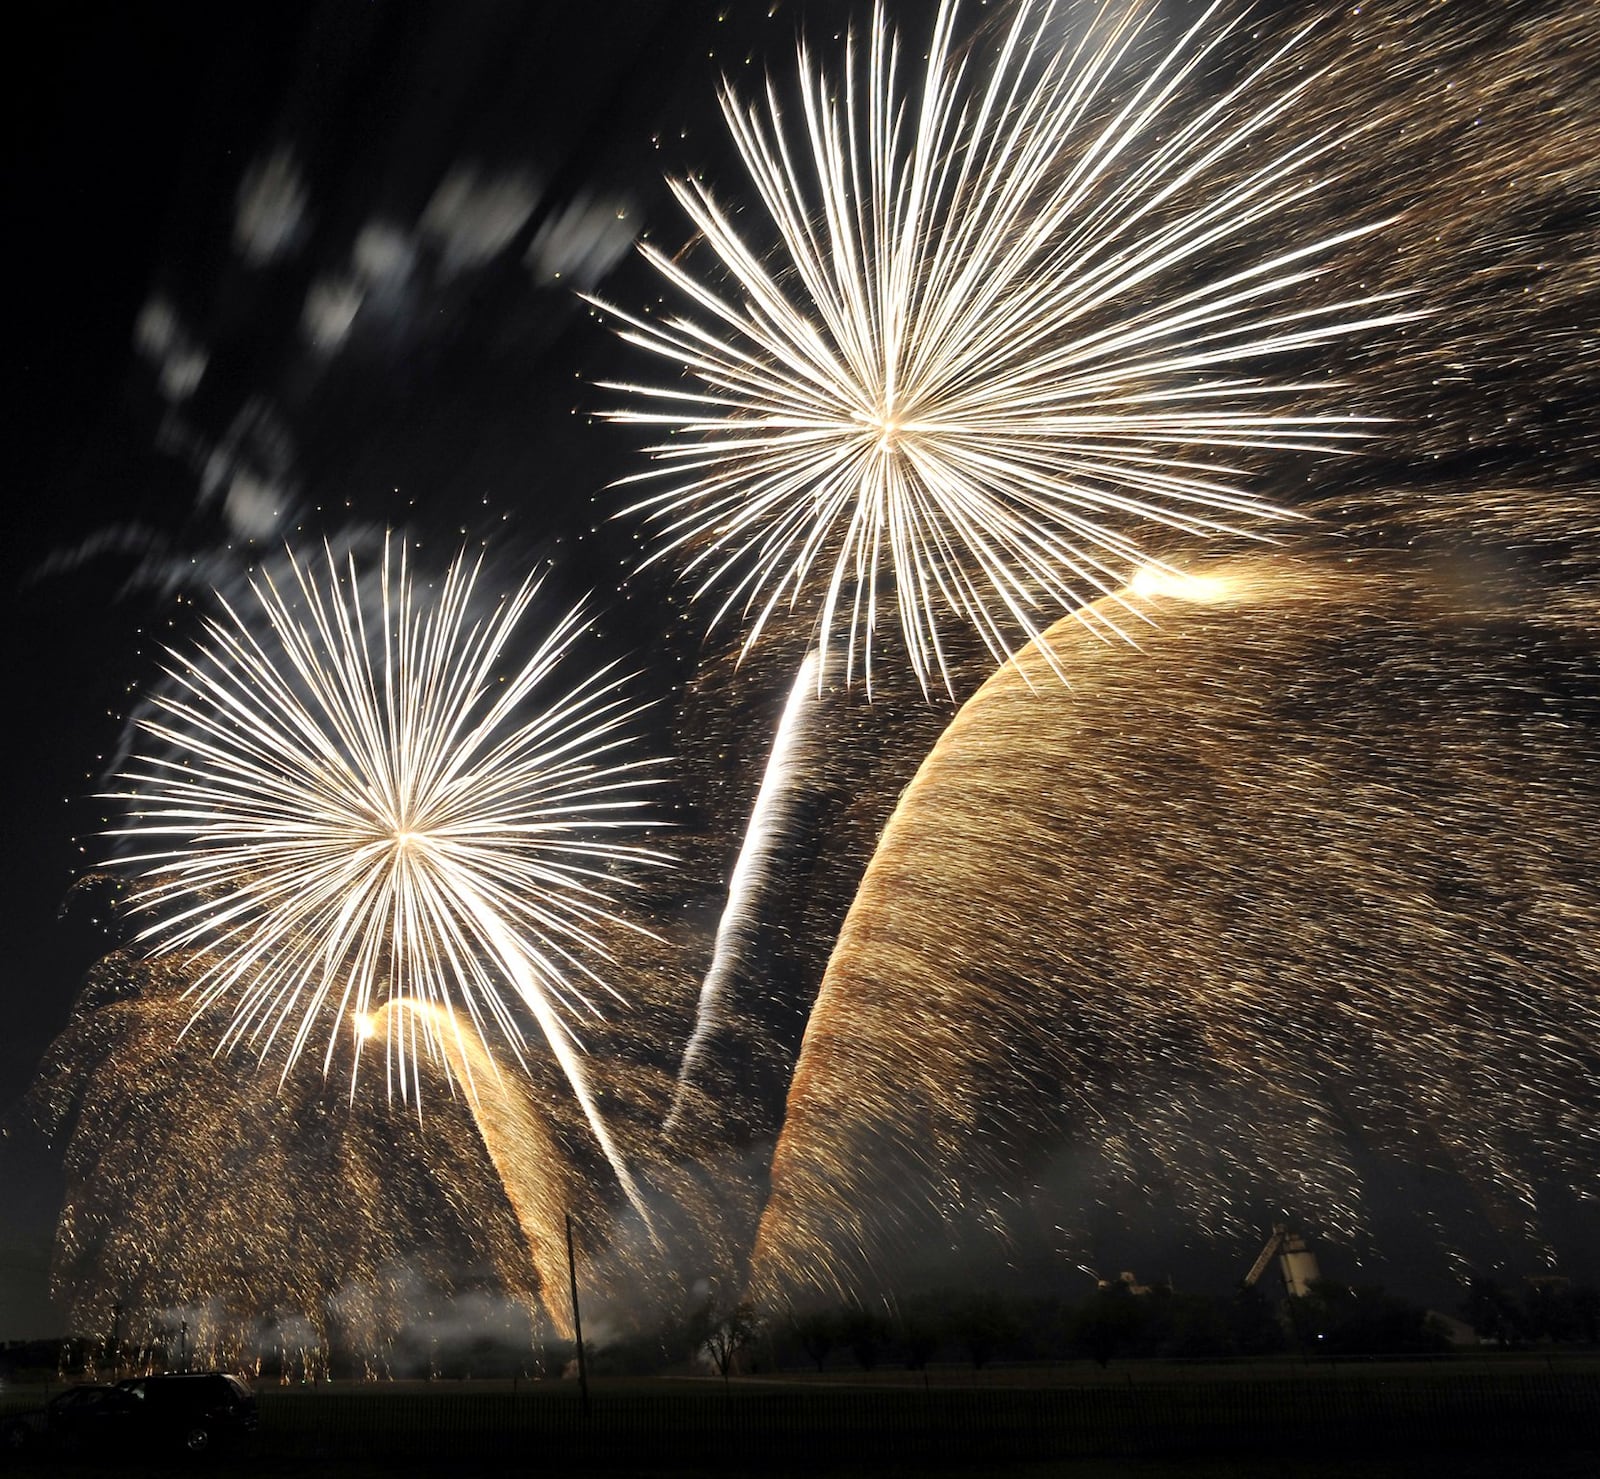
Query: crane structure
x=1296, y=1262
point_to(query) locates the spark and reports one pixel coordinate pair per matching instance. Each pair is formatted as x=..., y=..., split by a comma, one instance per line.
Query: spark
x=356, y=805
x=1004, y=321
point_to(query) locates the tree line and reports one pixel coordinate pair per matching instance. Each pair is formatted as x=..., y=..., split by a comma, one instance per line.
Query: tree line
x=978, y=1328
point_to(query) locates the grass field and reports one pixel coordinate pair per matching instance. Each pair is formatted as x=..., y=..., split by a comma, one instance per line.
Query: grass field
x=1373, y=1420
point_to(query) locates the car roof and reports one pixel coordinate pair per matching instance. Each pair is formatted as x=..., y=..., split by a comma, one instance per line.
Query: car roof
x=175, y=1376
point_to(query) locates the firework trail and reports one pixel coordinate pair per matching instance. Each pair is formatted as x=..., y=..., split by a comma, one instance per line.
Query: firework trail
x=1008, y=320
x=361, y=805
x=762, y=840
x=526, y=1156
x=1299, y=889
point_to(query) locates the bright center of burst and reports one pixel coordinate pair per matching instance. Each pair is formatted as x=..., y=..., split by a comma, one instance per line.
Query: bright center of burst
x=889, y=426
x=408, y=848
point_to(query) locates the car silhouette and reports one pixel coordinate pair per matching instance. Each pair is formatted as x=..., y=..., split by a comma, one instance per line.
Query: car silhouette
x=88, y=1417
x=182, y=1412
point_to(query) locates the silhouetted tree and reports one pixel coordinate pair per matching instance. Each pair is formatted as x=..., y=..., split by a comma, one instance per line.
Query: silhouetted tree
x=1548, y=1312
x=1037, y=1328
x=1337, y=1320
x=1106, y=1324
x=817, y=1332
x=983, y=1326
x=1490, y=1309
x=919, y=1330
x=866, y=1332
x=1253, y=1325
x=1196, y=1326
x=1586, y=1312
x=724, y=1333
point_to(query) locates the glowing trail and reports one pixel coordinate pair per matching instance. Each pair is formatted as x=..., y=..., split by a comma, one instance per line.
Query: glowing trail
x=761, y=841
x=527, y=1158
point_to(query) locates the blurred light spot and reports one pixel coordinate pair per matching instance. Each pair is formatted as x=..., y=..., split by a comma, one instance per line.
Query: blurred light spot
x=581, y=243
x=331, y=307
x=1152, y=580
x=269, y=217
x=472, y=217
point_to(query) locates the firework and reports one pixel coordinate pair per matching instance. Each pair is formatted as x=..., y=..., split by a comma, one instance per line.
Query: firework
x=1005, y=323
x=1293, y=901
x=281, y=1223
x=358, y=805
x=527, y=1157
x=762, y=840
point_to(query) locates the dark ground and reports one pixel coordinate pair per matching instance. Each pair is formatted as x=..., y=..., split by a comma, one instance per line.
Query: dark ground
x=1469, y=1419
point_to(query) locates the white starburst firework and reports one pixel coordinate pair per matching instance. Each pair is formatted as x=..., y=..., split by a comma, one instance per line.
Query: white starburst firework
x=1004, y=322
x=364, y=801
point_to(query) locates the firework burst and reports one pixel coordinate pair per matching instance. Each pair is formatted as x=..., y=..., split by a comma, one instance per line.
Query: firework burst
x=367, y=802
x=1005, y=322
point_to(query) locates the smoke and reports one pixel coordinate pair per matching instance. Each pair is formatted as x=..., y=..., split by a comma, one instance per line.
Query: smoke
x=162, y=340
x=580, y=243
x=270, y=215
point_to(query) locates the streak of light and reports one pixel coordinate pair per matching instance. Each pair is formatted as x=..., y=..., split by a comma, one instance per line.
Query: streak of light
x=763, y=839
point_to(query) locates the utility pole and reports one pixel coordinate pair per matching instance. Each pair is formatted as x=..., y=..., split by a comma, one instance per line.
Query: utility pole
x=577, y=1320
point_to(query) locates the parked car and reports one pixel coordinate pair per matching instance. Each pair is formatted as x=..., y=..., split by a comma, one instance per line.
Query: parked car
x=195, y=1411
x=182, y=1412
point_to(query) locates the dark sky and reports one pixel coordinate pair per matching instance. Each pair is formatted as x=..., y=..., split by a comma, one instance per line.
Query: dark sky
x=440, y=165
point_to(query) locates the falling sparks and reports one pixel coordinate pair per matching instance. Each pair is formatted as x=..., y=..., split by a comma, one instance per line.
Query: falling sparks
x=1292, y=901
x=351, y=803
x=1007, y=321
x=307, y=1224
x=527, y=1158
